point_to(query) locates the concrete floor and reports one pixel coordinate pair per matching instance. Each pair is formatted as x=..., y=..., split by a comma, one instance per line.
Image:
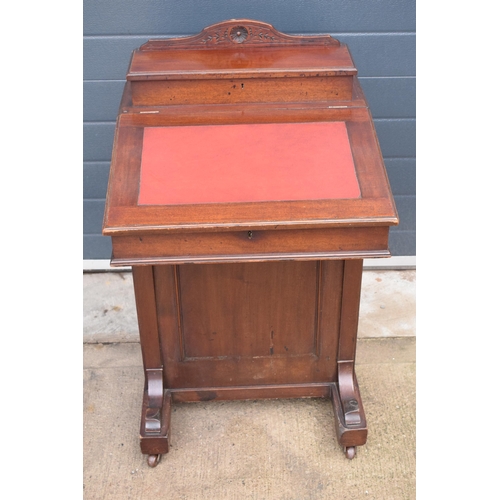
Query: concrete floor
x=387, y=306
x=276, y=449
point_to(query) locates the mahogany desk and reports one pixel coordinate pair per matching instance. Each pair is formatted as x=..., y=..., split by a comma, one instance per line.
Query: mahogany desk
x=246, y=187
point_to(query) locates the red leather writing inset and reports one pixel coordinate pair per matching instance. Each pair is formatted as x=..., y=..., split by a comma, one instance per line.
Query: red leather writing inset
x=246, y=163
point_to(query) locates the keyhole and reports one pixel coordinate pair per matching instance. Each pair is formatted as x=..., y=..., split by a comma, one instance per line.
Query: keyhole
x=250, y=234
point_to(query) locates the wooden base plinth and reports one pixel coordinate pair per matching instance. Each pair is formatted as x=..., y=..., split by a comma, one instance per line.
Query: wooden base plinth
x=209, y=332
x=349, y=436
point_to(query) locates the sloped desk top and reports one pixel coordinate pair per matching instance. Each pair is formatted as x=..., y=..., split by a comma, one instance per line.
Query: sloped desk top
x=246, y=163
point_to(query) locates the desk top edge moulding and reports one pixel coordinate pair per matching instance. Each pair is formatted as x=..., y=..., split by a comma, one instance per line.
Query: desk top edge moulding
x=246, y=175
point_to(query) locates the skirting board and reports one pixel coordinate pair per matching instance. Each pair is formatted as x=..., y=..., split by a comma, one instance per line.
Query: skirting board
x=400, y=262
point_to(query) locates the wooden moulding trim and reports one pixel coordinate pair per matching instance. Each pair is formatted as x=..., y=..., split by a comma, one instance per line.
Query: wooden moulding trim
x=132, y=115
x=318, y=224
x=112, y=230
x=137, y=230
x=247, y=74
x=229, y=114
x=319, y=390
x=207, y=259
x=225, y=74
x=236, y=34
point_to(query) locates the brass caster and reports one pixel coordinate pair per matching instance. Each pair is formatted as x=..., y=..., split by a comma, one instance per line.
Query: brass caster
x=350, y=452
x=153, y=460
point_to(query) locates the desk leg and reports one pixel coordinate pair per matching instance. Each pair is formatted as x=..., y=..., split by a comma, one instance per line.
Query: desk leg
x=349, y=414
x=155, y=417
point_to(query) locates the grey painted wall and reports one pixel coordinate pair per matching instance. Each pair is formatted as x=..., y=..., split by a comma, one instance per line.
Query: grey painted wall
x=380, y=35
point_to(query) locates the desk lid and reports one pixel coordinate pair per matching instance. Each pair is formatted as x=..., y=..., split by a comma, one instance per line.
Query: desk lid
x=284, y=155
x=347, y=185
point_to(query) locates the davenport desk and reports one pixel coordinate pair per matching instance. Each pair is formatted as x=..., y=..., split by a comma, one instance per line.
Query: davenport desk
x=246, y=187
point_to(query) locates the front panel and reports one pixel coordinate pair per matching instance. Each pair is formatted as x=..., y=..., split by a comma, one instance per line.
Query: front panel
x=249, y=324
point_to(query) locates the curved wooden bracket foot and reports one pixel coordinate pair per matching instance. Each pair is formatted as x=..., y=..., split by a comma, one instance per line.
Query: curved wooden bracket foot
x=155, y=422
x=349, y=414
x=154, y=389
x=349, y=394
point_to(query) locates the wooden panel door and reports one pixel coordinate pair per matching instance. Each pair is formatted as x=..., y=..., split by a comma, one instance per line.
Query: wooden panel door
x=247, y=324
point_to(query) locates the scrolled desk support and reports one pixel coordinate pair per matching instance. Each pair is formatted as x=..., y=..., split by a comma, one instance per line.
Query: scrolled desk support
x=348, y=410
x=154, y=384
x=155, y=419
x=155, y=425
x=346, y=399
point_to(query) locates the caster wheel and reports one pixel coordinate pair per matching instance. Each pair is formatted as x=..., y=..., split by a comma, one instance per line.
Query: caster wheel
x=153, y=460
x=350, y=452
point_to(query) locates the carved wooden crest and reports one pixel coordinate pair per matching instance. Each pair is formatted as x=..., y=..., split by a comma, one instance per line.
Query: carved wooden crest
x=238, y=32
